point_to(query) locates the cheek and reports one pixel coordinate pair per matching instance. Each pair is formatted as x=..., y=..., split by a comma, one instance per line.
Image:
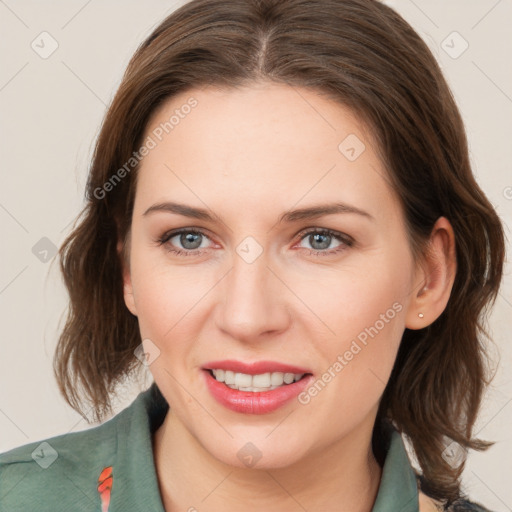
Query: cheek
x=363, y=319
x=173, y=303
x=164, y=312
x=165, y=297
x=350, y=302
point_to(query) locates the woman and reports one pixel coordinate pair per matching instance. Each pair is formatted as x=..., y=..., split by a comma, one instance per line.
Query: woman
x=282, y=224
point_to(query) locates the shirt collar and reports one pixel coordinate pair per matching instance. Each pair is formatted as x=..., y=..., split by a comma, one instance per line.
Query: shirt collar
x=135, y=482
x=398, y=489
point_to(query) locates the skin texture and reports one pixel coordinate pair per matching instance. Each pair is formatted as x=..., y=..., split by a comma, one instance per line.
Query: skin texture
x=248, y=155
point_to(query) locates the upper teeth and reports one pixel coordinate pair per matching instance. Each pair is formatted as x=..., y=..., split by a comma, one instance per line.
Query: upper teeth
x=262, y=380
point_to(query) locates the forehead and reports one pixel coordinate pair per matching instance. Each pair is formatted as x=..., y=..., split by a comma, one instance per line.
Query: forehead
x=260, y=144
x=277, y=117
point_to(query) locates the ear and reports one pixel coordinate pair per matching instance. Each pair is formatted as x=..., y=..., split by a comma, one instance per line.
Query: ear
x=127, y=280
x=434, y=277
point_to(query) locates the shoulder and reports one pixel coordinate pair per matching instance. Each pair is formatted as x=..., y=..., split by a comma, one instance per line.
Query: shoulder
x=428, y=504
x=463, y=505
x=55, y=473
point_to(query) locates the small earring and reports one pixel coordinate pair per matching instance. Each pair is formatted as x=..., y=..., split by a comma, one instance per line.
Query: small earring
x=420, y=315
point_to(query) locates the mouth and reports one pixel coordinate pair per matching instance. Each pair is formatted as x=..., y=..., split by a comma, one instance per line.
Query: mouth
x=255, y=383
x=254, y=393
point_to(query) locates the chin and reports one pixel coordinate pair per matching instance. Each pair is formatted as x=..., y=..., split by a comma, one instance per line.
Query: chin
x=256, y=452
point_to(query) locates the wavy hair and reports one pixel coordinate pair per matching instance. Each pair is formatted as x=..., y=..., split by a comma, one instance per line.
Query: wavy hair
x=365, y=56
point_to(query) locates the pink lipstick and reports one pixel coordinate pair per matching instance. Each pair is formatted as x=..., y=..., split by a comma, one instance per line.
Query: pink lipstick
x=255, y=402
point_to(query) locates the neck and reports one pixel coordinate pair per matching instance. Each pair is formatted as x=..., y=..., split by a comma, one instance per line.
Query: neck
x=345, y=476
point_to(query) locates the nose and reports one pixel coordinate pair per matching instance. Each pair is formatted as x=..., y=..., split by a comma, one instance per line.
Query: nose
x=253, y=301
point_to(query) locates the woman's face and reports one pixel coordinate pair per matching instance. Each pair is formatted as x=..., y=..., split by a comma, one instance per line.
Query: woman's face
x=259, y=285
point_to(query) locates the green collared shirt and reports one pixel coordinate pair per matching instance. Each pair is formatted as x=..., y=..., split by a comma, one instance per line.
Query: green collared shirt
x=110, y=468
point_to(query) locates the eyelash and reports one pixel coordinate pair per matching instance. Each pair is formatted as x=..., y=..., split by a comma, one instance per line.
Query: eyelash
x=345, y=239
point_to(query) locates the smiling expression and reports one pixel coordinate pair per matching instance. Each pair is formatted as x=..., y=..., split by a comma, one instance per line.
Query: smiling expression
x=232, y=257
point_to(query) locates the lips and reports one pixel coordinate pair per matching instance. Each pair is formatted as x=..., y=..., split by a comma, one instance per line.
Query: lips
x=254, y=368
x=248, y=402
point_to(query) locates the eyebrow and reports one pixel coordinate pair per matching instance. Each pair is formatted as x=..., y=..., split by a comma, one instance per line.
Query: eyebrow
x=311, y=212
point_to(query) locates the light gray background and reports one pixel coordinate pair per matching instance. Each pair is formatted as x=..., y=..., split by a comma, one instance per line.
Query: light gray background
x=51, y=109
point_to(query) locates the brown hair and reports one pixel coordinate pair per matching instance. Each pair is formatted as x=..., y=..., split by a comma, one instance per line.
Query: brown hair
x=363, y=55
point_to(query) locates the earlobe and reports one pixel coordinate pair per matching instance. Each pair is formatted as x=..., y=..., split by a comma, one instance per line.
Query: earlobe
x=127, y=281
x=128, y=295
x=436, y=273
